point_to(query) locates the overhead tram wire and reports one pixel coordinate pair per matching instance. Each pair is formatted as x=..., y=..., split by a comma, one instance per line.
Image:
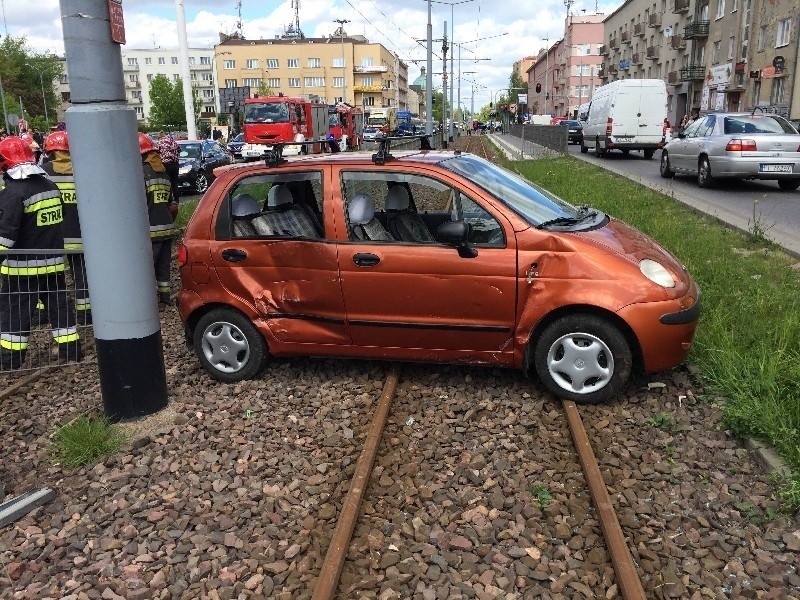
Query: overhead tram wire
x=377, y=29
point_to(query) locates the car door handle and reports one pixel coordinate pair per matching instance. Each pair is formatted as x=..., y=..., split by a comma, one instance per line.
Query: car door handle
x=366, y=259
x=234, y=255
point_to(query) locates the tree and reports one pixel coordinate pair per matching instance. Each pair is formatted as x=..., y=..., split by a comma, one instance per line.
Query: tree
x=29, y=76
x=167, y=109
x=264, y=89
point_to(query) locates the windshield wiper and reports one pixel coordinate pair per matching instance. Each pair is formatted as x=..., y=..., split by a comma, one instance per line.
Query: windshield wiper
x=568, y=220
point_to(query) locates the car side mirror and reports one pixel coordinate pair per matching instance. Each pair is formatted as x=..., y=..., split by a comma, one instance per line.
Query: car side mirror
x=456, y=233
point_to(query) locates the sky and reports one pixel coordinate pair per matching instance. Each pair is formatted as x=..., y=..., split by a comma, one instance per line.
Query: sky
x=484, y=29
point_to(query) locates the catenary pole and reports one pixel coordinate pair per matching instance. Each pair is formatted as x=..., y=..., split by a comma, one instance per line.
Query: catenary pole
x=429, y=78
x=113, y=215
x=5, y=113
x=183, y=52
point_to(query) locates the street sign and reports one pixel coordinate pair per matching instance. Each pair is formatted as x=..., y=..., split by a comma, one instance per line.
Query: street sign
x=116, y=21
x=778, y=62
x=13, y=119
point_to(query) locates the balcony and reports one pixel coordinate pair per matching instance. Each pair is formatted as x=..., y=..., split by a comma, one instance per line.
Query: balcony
x=368, y=88
x=636, y=59
x=673, y=78
x=625, y=37
x=694, y=30
x=654, y=20
x=602, y=72
x=681, y=6
x=130, y=68
x=613, y=44
x=653, y=52
x=371, y=69
x=677, y=42
x=639, y=29
x=612, y=70
x=693, y=73
x=132, y=84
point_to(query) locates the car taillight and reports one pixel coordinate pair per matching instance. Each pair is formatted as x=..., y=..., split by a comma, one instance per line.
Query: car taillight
x=608, y=125
x=737, y=145
x=183, y=255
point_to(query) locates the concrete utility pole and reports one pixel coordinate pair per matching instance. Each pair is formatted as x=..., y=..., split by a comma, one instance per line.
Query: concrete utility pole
x=113, y=215
x=429, y=78
x=183, y=51
x=3, y=98
x=341, y=23
x=444, y=85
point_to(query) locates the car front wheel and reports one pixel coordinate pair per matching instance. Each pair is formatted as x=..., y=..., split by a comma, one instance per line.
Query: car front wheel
x=704, y=178
x=666, y=171
x=201, y=182
x=598, y=151
x=229, y=346
x=789, y=184
x=582, y=358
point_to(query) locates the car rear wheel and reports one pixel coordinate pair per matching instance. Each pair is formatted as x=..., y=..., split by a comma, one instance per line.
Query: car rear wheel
x=201, y=182
x=789, y=184
x=229, y=346
x=584, y=148
x=704, y=178
x=666, y=171
x=582, y=358
x=649, y=153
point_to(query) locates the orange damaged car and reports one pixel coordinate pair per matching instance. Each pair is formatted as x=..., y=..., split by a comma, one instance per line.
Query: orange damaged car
x=426, y=255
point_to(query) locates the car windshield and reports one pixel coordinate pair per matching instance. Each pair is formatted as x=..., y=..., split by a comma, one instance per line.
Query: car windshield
x=571, y=123
x=266, y=112
x=239, y=138
x=757, y=124
x=532, y=203
x=190, y=150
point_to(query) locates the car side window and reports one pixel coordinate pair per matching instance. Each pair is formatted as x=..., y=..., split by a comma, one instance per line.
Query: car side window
x=284, y=205
x=691, y=130
x=411, y=207
x=707, y=127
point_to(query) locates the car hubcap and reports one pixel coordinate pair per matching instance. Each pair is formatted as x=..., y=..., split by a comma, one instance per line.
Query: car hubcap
x=664, y=164
x=703, y=171
x=225, y=347
x=202, y=184
x=580, y=363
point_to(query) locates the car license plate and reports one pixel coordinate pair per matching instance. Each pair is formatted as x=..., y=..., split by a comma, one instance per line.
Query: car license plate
x=774, y=168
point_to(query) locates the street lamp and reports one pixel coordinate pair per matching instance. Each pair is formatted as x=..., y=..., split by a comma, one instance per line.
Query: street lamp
x=546, y=73
x=341, y=23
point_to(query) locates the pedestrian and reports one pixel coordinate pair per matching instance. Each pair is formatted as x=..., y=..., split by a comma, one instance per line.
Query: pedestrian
x=58, y=166
x=169, y=150
x=31, y=219
x=157, y=187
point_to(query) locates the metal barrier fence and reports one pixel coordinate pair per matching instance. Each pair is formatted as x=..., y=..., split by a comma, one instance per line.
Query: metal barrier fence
x=45, y=314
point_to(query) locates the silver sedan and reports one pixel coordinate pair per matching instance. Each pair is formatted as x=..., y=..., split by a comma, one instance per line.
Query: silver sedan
x=736, y=145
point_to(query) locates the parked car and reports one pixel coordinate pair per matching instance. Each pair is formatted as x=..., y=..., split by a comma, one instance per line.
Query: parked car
x=558, y=120
x=736, y=146
x=437, y=256
x=235, y=146
x=197, y=161
x=371, y=133
x=575, y=133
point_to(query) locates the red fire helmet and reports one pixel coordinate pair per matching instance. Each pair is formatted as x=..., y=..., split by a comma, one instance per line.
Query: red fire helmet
x=145, y=143
x=14, y=151
x=57, y=140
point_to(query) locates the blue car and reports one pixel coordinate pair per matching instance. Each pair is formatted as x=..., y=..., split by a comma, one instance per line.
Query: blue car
x=235, y=146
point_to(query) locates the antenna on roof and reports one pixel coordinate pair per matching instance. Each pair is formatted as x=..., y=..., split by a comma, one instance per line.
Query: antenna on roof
x=293, y=31
x=239, y=19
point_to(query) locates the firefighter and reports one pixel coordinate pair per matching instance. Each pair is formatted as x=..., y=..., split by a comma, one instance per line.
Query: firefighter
x=59, y=168
x=30, y=219
x=157, y=186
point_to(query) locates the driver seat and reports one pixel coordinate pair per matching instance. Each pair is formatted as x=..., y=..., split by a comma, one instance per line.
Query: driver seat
x=403, y=221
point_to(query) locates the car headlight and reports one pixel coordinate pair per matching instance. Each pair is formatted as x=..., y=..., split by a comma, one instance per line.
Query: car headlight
x=185, y=169
x=656, y=273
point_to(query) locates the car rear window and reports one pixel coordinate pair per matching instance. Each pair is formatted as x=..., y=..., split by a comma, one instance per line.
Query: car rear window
x=756, y=124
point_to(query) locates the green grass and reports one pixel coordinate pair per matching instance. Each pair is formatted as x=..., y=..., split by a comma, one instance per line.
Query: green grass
x=186, y=208
x=84, y=440
x=748, y=342
x=661, y=421
x=541, y=493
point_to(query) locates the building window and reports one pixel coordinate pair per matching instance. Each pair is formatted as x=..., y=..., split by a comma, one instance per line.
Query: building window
x=734, y=5
x=294, y=82
x=191, y=60
x=149, y=77
x=366, y=61
x=148, y=61
x=777, y=90
x=64, y=80
x=584, y=70
x=367, y=81
x=314, y=63
x=731, y=44
x=228, y=64
x=369, y=101
x=174, y=60
x=784, y=31
x=337, y=62
x=210, y=109
x=162, y=60
x=252, y=82
x=136, y=95
x=230, y=83
x=314, y=82
x=715, y=53
x=762, y=38
x=338, y=82
x=139, y=112
x=176, y=77
x=65, y=97
x=720, y=9
x=208, y=93
x=293, y=63
x=251, y=63
x=133, y=78
x=207, y=77
x=193, y=76
x=133, y=61
x=205, y=60
x=274, y=82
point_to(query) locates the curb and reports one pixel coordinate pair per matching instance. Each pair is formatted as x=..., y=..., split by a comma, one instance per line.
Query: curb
x=767, y=457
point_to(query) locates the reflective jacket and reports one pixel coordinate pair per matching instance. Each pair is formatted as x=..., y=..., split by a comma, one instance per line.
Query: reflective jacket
x=157, y=186
x=31, y=219
x=60, y=172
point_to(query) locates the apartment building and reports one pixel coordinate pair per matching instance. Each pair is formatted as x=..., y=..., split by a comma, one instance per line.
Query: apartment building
x=330, y=69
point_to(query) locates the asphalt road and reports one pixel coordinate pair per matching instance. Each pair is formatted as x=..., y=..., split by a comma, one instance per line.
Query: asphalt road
x=776, y=212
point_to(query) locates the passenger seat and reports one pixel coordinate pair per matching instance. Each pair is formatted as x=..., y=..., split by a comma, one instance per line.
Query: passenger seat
x=363, y=223
x=244, y=209
x=283, y=217
x=403, y=222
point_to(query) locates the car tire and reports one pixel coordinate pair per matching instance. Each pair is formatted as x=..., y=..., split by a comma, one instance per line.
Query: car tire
x=582, y=358
x=201, y=182
x=704, y=177
x=789, y=184
x=666, y=171
x=584, y=149
x=626, y=151
x=649, y=153
x=218, y=333
x=598, y=151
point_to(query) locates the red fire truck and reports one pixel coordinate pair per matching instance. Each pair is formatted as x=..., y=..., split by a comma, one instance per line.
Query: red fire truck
x=271, y=119
x=346, y=120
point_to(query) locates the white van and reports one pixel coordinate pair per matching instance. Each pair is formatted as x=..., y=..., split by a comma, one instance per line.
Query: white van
x=628, y=114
